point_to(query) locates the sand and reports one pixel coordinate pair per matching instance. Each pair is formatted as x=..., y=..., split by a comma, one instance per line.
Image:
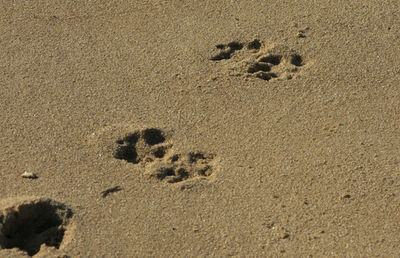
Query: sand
x=200, y=128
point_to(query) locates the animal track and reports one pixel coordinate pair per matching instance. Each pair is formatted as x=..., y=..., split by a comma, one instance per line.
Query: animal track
x=263, y=67
x=28, y=224
x=151, y=150
x=227, y=50
x=142, y=146
x=259, y=61
x=177, y=167
x=148, y=147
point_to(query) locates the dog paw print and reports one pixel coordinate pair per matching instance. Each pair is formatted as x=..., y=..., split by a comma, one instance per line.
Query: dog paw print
x=151, y=151
x=272, y=66
x=28, y=224
x=227, y=50
x=255, y=59
x=142, y=146
x=178, y=167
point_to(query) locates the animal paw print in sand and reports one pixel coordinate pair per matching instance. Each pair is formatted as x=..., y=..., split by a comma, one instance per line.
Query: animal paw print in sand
x=259, y=61
x=227, y=50
x=150, y=148
x=178, y=167
x=271, y=66
x=142, y=146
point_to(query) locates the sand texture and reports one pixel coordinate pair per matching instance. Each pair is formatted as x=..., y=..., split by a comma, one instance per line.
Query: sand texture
x=200, y=128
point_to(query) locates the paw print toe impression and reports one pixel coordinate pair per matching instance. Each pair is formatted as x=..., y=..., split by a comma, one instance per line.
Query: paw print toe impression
x=227, y=50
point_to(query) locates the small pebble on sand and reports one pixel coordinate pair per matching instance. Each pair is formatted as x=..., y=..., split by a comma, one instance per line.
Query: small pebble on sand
x=29, y=175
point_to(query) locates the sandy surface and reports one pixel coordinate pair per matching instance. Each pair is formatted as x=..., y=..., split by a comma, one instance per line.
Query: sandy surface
x=212, y=128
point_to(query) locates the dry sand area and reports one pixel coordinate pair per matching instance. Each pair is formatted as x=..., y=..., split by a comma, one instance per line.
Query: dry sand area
x=200, y=128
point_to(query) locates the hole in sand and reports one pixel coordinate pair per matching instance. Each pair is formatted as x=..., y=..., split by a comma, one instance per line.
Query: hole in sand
x=31, y=224
x=296, y=60
x=126, y=149
x=235, y=46
x=258, y=67
x=255, y=44
x=159, y=153
x=153, y=136
x=174, y=158
x=272, y=59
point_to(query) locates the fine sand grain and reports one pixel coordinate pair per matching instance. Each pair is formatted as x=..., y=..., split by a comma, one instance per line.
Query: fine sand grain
x=200, y=128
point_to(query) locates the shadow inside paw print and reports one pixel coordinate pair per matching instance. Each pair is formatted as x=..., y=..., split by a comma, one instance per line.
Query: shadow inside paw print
x=142, y=146
x=227, y=50
x=29, y=224
x=296, y=60
x=178, y=168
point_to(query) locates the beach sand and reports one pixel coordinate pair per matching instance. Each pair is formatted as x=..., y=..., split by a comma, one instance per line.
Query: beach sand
x=200, y=128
